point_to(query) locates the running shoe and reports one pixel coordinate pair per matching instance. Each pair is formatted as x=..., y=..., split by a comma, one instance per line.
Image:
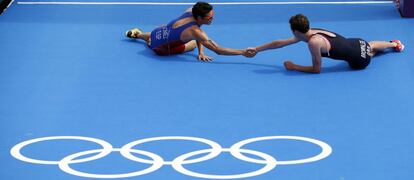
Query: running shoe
x=133, y=33
x=399, y=47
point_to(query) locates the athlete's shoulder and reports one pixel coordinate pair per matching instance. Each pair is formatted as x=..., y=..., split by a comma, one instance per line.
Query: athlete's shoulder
x=315, y=41
x=190, y=9
x=198, y=33
x=195, y=29
x=325, y=32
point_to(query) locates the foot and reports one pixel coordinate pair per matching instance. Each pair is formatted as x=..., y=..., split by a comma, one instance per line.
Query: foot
x=133, y=33
x=399, y=47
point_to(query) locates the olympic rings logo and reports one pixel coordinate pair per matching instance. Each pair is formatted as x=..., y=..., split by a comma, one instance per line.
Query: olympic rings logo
x=157, y=162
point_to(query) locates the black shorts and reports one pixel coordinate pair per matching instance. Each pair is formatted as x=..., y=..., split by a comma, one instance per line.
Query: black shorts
x=359, y=57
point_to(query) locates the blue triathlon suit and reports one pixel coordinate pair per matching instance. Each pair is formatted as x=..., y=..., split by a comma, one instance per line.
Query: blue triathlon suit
x=355, y=51
x=165, y=40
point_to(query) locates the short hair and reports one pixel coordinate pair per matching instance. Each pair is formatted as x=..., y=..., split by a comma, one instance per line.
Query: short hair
x=299, y=22
x=201, y=9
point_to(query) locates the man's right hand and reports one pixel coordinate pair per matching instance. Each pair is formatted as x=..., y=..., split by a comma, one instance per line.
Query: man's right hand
x=204, y=58
x=250, y=52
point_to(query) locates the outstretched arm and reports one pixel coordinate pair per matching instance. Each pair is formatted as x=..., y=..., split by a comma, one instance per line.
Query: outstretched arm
x=210, y=44
x=277, y=44
x=315, y=50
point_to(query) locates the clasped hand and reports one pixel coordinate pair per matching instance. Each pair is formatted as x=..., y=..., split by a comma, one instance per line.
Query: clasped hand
x=250, y=52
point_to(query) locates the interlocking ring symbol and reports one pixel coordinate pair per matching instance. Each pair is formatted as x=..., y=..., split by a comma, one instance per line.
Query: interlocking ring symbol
x=178, y=163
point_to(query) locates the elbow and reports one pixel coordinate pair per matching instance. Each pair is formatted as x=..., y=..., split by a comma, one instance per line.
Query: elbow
x=316, y=70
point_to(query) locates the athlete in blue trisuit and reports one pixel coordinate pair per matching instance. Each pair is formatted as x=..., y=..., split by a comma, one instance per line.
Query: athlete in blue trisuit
x=322, y=43
x=184, y=34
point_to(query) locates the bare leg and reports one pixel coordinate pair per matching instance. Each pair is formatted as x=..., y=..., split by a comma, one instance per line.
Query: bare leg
x=381, y=46
x=138, y=34
x=144, y=36
x=190, y=46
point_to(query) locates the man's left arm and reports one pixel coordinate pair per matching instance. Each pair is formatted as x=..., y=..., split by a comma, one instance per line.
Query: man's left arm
x=201, y=55
x=314, y=46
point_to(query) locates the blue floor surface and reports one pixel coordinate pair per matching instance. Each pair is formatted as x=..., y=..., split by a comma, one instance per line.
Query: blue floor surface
x=68, y=70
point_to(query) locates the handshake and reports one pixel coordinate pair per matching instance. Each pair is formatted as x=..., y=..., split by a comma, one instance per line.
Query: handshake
x=250, y=52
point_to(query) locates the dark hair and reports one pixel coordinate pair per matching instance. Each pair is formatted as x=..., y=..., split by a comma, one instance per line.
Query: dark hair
x=201, y=9
x=299, y=22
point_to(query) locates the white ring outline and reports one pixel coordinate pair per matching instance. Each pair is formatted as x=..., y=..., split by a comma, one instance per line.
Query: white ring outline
x=157, y=162
x=64, y=165
x=15, y=151
x=326, y=149
x=270, y=164
x=215, y=149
